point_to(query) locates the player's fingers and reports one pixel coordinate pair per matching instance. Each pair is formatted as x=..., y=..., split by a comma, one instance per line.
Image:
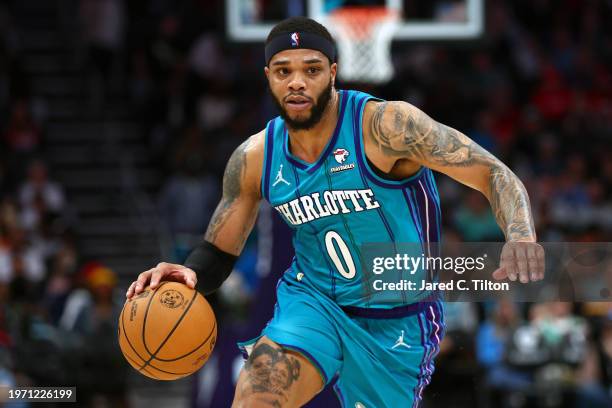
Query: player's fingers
x=190, y=278
x=130, y=291
x=532, y=262
x=156, y=275
x=541, y=256
x=500, y=274
x=142, y=281
x=173, y=272
x=508, y=262
x=520, y=254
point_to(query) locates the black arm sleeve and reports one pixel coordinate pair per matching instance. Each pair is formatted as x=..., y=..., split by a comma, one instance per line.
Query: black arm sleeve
x=211, y=265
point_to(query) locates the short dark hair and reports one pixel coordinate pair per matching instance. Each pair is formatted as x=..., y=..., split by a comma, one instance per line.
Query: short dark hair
x=300, y=24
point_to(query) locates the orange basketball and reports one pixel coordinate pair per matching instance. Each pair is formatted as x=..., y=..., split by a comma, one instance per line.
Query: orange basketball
x=167, y=333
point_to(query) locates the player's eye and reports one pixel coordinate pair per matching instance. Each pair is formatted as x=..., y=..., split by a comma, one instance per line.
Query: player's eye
x=313, y=70
x=282, y=71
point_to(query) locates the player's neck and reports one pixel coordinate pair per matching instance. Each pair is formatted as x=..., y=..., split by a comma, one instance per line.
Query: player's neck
x=308, y=144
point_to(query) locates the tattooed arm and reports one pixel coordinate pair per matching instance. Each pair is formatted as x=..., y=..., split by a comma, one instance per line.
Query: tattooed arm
x=231, y=222
x=398, y=135
x=235, y=215
x=399, y=131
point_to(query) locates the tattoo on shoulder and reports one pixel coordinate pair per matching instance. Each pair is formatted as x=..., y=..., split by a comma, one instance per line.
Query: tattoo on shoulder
x=401, y=130
x=272, y=371
x=232, y=185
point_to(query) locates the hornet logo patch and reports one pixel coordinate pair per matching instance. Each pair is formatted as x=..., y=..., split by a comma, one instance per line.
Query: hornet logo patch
x=340, y=155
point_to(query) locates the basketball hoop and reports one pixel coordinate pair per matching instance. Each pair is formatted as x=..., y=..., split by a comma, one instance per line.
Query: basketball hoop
x=364, y=42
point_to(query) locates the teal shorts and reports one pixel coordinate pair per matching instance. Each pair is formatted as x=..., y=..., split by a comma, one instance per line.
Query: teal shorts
x=373, y=357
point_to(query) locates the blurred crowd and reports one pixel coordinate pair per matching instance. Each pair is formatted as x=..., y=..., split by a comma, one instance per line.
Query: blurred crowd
x=57, y=311
x=535, y=90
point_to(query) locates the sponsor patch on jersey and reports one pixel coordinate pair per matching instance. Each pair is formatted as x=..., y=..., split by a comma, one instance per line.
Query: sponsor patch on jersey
x=342, y=168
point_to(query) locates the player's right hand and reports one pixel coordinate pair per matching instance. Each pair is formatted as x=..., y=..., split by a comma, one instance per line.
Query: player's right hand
x=162, y=272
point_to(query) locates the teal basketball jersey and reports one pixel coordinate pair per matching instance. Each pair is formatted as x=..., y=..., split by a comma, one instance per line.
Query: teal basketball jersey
x=339, y=203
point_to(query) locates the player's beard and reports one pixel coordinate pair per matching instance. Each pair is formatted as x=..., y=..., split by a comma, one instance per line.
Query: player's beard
x=316, y=111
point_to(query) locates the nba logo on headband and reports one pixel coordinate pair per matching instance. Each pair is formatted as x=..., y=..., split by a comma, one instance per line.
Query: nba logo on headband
x=295, y=40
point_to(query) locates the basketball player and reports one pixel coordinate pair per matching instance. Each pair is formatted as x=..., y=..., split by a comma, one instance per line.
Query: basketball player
x=344, y=168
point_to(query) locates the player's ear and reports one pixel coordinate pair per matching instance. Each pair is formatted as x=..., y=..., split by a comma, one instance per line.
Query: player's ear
x=333, y=69
x=267, y=72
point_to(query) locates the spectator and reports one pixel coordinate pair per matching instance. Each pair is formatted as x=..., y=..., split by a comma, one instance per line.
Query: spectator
x=553, y=98
x=39, y=195
x=491, y=349
x=102, y=25
x=60, y=282
x=22, y=136
x=21, y=265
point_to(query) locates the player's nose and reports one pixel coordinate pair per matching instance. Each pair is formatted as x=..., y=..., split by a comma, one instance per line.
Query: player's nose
x=296, y=83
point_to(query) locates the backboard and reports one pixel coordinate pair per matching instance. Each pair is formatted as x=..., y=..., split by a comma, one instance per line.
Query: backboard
x=252, y=20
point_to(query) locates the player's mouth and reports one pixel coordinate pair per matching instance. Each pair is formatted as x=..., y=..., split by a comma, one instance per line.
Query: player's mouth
x=297, y=103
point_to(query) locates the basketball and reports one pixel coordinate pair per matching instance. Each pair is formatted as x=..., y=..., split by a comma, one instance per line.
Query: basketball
x=167, y=333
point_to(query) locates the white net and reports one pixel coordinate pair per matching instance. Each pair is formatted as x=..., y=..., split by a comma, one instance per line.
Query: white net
x=364, y=38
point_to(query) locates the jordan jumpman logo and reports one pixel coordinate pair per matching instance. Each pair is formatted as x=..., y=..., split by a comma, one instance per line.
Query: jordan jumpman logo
x=400, y=342
x=279, y=177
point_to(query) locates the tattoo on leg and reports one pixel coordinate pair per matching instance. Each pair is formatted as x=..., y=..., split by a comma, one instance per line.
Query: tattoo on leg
x=272, y=371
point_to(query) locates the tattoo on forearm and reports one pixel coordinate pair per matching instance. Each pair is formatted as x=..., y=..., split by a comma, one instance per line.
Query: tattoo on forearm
x=510, y=204
x=232, y=179
x=402, y=131
x=272, y=372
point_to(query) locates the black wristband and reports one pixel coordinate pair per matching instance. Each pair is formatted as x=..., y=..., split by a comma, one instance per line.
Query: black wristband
x=211, y=265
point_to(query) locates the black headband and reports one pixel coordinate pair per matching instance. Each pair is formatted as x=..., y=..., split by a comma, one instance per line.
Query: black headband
x=289, y=41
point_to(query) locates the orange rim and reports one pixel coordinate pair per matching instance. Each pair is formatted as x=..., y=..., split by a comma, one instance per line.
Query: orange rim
x=358, y=21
